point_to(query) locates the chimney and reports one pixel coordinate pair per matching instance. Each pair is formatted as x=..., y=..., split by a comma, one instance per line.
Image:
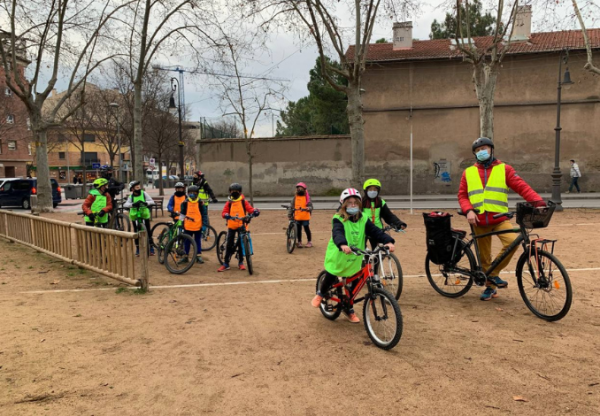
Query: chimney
x=403, y=35
x=522, y=29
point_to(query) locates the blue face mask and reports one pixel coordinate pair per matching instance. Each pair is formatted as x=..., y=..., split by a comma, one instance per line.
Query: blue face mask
x=352, y=210
x=192, y=196
x=482, y=155
x=372, y=194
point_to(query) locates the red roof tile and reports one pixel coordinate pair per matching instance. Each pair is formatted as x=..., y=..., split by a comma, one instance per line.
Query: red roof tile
x=440, y=48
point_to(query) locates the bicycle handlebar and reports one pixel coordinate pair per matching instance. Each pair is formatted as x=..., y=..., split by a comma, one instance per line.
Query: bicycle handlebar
x=295, y=209
x=508, y=215
x=358, y=252
x=390, y=228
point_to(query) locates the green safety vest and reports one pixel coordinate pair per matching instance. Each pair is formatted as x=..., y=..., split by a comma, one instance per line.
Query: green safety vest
x=98, y=205
x=494, y=198
x=346, y=265
x=203, y=195
x=374, y=214
x=139, y=213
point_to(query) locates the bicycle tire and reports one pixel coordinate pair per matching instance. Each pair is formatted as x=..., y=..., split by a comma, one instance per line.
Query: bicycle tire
x=248, y=254
x=157, y=225
x=175, y=251
x=392, y=283
x=443, y=269
x=221, y=246
x=552, y=286
x=335, y=307
x=387, y=302
x=209, y=240
x=122, y=223
x=161, y=244
x=291, y=238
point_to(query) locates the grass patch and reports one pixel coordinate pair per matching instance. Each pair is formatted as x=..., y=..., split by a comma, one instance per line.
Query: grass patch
x=121, y=290
x=138, y=291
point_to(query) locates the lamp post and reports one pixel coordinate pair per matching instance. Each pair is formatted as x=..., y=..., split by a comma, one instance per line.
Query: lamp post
x=172, y=106
x=556, y=173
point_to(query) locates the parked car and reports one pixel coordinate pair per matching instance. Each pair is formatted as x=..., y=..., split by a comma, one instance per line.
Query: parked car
x=171, y=177
x=17, y=192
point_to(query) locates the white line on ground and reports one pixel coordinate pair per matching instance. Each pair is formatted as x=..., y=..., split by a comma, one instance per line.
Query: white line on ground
x=244, y=283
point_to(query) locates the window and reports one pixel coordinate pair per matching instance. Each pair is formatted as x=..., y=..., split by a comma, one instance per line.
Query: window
x=24, y=185
x=12, y=145
x=7, y=186
x=89, y=138
x=62, y=155
x=29, y=149
x=10, y=119
x=91, y=157
x=7, y=92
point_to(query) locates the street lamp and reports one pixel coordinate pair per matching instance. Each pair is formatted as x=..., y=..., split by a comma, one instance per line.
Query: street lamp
x=172, y=107
x=556, y=173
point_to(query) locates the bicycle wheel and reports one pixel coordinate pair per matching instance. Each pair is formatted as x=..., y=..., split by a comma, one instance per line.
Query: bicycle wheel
x=452, y=279
x=209, y=238
x=390, y=273
x=329, y=308
x=176, y=260
x=122, y=223
x=221, y=246
x=383, y=319
x=248, y=254
x=157, y=228
x=544, y=285
x=161, y=244
x=291, y=237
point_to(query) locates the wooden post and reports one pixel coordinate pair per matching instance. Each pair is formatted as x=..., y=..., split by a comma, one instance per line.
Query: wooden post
x=143, y=238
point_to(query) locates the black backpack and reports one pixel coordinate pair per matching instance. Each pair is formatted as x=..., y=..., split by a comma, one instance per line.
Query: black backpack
x=440, y=243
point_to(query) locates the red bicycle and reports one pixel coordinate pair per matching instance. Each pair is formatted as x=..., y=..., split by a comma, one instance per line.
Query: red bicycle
x=381, y=312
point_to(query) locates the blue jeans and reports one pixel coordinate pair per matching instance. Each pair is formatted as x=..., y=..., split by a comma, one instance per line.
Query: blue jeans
x=197, y=235
x=574, y=183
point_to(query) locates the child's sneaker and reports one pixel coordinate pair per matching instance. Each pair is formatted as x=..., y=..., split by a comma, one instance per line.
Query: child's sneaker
x=137, y=251
x=183, y=260
x=152, y=253
x=351, y=317
x=299, y=244
x=489, y=293
x=499, y=283
x=308, y=245
x=241, y=266
x=199, y=259
x=316, y=301
x=223, y=268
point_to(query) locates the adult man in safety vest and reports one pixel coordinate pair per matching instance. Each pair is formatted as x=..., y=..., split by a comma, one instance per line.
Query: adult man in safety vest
x=97, y=204
x=204, y=193
x=483, y=193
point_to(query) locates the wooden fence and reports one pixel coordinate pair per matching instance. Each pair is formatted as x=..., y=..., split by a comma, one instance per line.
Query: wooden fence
x=108, y=252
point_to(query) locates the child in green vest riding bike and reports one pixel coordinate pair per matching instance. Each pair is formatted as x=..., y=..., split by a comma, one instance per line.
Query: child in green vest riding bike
x=97, y=205
x=138, y=203
x=350, y=228
x=377, y=209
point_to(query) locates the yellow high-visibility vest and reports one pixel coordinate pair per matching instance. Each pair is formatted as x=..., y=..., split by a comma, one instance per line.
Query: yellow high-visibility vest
x=494, y=198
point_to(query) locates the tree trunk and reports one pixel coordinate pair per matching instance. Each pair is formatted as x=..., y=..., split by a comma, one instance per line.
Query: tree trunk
x=249, y=152
x=44, y=189
x=484, y=77
x=138, y=167
x=83, y=172
x=357, y=132
x=161, y=188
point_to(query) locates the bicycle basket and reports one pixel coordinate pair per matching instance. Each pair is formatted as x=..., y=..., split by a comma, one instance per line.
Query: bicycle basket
x=534, y=217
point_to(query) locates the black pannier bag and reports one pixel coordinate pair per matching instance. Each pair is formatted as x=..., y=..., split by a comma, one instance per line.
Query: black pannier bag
x=440, y=243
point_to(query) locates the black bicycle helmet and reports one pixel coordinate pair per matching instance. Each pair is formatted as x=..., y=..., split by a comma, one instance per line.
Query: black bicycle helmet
x=132, y=184
x=193, y=189
x=482, y=141
x=235, y=187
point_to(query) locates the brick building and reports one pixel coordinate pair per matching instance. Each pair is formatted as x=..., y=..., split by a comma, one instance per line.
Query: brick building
x=15, y=134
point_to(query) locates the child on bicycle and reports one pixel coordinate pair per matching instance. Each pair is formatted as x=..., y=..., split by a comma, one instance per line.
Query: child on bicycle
x=303, y=208
x=174, y=205
x=350, y=228
x=138, y=203
x=191, y=211
x=97, y=204
x=236, y=206
x=376, y=208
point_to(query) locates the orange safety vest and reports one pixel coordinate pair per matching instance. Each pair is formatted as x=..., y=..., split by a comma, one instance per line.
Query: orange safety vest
x=177, y=201
x=300, y=202
x=236, y=208
x=193, y=211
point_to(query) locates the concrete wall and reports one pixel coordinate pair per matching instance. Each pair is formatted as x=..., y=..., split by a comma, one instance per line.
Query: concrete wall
x=444, y=123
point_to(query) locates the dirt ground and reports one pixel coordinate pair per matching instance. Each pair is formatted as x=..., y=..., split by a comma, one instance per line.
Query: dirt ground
x=73, y=343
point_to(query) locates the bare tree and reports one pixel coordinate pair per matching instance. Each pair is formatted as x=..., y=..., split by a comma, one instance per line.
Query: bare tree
x=588, y=45
x=60, y=37
x=325, y=23
x=485, y=59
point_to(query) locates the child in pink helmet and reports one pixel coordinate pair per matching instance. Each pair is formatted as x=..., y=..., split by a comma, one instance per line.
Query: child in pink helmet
x=303, y=208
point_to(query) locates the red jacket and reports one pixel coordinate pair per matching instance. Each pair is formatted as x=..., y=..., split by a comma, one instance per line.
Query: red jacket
x=513, y=181
x=89, y=201
x=247, y=207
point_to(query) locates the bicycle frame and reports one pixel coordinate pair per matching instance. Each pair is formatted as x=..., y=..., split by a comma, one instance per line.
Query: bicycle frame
x=364, y=275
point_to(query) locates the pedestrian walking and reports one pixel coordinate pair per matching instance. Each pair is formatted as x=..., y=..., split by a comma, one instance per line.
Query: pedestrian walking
x=575, y=175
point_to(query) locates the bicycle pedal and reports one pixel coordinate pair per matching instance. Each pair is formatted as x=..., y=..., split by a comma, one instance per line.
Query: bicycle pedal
x=329, y=308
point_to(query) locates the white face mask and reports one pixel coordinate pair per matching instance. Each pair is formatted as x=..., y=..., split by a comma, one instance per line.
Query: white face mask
x=372, y=194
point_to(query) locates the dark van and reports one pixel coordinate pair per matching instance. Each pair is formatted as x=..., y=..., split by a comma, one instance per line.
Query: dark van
x=17, y=192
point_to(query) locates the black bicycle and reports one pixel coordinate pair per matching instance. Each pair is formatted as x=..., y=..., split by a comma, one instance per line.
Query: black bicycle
x=209, y=234
x=120, y=221
x=242, y=244
x=292, y=230
x=543, y=281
